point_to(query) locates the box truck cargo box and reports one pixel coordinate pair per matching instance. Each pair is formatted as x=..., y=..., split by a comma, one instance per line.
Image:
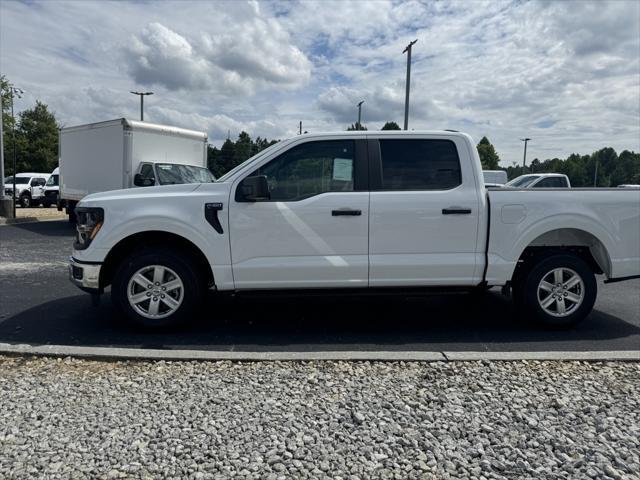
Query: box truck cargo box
x=122, y=153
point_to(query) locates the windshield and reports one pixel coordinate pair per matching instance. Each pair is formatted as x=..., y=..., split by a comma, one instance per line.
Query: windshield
x=247, y=162
x=522, y=181
x=19, y=180
x=171, y=174
x=53, y=181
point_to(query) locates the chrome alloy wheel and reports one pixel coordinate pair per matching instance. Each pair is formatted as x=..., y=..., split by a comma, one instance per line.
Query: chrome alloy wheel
x=560, y=292
x=155, y=291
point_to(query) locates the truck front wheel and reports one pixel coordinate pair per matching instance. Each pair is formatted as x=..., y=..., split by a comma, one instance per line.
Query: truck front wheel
x=558, y=290
x=25, y=200
x=157, y=288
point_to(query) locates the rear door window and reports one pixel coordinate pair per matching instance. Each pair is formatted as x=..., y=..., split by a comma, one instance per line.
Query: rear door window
x=419, y=164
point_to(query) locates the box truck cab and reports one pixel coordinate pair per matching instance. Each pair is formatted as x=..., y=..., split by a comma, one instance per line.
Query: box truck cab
x=51, y=189
x=123, y=153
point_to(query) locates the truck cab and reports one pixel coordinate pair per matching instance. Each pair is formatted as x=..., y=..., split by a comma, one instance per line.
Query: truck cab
x=540, y=180
x=51, y=189
x=29, y=188
x=151, y=174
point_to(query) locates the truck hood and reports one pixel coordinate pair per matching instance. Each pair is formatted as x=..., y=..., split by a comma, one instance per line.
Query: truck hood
x=162, y=191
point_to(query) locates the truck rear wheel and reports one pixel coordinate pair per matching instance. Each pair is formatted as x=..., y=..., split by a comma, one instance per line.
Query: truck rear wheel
x=558, y=290
x=157, y=288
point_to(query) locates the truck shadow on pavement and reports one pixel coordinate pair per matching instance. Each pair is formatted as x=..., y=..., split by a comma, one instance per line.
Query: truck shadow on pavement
x=315, y=323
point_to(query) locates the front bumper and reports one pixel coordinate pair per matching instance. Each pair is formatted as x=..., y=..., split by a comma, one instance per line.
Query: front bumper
x=85, y=276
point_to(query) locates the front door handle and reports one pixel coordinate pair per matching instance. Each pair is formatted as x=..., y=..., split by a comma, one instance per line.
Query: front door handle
x=456, y=211
x=347, y=212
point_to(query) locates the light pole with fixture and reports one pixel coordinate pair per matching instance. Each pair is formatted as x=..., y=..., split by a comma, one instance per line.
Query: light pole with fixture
x=142, y=95
x=524, y=158
x=407, y=50
x=18, y=92
x=359, y=125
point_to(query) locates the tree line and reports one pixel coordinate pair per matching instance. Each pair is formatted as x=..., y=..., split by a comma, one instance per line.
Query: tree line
x=603, y=168
x=36, y=142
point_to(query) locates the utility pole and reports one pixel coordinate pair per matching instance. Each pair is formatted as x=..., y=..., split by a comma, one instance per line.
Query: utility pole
x=142, y=94
x=300, y=128
x=359, y=125
x=18, y=93
x=1, y=150
x=595, y=175
x=406, y=97
x=524, y=159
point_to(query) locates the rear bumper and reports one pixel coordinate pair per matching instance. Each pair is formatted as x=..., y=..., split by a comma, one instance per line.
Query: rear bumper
x=85, y=276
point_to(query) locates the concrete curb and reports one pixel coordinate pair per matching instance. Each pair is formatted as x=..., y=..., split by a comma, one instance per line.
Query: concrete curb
x=596, y=356
x=20, y=220
x=384, y=356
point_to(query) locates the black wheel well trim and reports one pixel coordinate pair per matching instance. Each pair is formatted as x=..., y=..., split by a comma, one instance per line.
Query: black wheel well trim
x=532, y=253
x=150, y=239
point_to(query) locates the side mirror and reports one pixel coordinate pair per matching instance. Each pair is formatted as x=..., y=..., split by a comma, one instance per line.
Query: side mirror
x=253, y=189
x=140, y=181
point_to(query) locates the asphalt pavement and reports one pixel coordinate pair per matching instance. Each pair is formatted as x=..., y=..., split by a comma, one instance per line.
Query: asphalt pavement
x=39, y=306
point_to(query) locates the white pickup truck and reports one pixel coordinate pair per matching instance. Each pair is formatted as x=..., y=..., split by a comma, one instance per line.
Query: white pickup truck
x=355, y=210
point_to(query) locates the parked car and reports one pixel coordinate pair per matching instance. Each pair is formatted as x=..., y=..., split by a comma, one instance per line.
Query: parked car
x=355, y=210
x=122, y=153
x=494, y=178
x=29, y=188
x=540, y=180
x=51, y=189
x=628, y=185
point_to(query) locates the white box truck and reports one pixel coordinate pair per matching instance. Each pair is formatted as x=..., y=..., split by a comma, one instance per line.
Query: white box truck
x=122, y=153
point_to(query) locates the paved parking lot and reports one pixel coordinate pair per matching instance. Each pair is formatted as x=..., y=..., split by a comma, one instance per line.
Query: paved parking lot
x=38, y=305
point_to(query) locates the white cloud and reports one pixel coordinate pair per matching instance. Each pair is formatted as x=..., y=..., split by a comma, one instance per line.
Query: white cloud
x=252, y=55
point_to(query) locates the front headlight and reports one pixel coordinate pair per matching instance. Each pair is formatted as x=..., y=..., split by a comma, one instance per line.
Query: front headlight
x=89, y=223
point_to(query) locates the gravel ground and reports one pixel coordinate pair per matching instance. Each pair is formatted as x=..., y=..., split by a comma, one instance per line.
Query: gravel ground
x=79, y=419
x=40, y=212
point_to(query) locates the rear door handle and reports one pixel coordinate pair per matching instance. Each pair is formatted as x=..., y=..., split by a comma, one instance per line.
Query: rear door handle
x=456, y=211
x=346, y=212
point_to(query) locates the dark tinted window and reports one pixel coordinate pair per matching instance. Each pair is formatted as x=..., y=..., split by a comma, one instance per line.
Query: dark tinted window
x=551, y=182
x=310, y=169
x=419, y=165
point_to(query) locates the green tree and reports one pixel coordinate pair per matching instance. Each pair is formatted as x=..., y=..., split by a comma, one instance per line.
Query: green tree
x=488, y=156
x=7, y=126
x=38, y=130
x=356, y=126
x=390, y=126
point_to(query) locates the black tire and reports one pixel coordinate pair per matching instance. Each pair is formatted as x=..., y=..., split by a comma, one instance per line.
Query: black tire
x=179, y=265
x=25, y=201
x=529, y=294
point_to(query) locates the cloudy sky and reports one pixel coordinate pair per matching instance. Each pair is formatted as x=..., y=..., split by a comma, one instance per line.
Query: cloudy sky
x=566, y=74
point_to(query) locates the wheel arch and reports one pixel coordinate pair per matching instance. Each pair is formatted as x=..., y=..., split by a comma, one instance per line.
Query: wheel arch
x=579, y=242
x=148, y=239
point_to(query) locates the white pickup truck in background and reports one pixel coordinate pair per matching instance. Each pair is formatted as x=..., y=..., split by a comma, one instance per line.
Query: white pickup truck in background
x=355, y=210
x=29, y=188
x=121, y=153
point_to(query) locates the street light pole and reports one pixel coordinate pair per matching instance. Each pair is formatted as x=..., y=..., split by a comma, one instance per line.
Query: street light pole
x=142, y=94
x=359, y=125
x=524, y=159
x=406, y=97
x=17, y=92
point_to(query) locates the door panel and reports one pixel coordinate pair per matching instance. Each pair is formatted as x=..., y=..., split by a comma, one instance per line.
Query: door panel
x=294, y=244
x=427, y=233
x=313, y=232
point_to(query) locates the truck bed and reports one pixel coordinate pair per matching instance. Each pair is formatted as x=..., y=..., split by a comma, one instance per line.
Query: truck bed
x=606, y=220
